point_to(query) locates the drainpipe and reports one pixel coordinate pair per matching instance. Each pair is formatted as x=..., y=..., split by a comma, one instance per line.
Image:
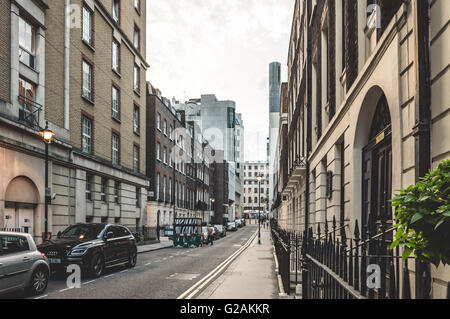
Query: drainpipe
x=421, y=130
x=308, y=151
x=66, y=63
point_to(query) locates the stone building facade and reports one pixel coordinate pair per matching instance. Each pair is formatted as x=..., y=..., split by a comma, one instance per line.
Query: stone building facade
x=80, y=66
x=253, y=199
x=367, y=111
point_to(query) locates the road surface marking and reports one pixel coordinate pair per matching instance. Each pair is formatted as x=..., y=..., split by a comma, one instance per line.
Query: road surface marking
x=40, y=297
x=65, y=289
x=124, y=270
x=109, y=276
x=181, y=276
x=148, y=264
x=88, y=282
x=196, y=288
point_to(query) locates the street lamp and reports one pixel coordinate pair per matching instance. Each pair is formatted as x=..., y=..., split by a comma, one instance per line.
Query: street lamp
x=259, y=208
x=212, y=202
x=47, y=136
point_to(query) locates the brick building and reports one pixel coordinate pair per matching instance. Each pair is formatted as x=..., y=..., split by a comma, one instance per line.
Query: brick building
x=176, y=151
x=81, y=67
x=367, y=111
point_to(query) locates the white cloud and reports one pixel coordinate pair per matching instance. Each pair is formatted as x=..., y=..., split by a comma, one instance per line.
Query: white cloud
x=221, y=47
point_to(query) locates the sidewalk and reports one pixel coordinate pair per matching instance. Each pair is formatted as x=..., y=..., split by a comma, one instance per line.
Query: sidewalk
x=250, y=276
x=164, y=243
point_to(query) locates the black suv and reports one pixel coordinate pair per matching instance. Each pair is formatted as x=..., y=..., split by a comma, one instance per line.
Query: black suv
x=94, y=247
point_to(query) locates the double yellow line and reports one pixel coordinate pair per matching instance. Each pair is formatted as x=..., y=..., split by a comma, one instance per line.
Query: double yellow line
x=202, y=283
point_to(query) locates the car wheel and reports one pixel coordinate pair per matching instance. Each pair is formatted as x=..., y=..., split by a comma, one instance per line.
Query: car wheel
x=132, y=259
x=39, y=281
x=96, y=267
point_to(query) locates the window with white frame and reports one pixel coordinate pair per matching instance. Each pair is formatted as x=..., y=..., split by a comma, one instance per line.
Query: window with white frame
x=87, y=80
x=115, y=148
x=87, y=135
x=165, y=127
x=137, y=35
x=116, y=56
x=104, y=188
x=136, y=84
x=164, y=187
x=158, y=121
x=88, y=186
x=165, y=155
x=157, y=186
x=116, y=10
x=136, y=155
x=136, y=119
x=26, y=43
x=115, y=103
x=87, y=25
x=158, y=151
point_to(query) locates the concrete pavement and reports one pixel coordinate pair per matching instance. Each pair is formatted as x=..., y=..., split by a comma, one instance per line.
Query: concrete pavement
x=250, y=276
x=164, y=242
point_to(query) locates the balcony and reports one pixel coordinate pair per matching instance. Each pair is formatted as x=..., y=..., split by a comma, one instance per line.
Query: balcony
x=29, y=112
x=297, y=175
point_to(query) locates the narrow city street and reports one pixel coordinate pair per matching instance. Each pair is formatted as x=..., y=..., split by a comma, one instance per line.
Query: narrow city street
x=161, y=274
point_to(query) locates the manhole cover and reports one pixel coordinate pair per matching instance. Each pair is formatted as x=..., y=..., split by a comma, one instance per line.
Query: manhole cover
x=178, y=276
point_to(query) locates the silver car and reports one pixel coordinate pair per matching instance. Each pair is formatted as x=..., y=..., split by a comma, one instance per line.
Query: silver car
x=22, y=266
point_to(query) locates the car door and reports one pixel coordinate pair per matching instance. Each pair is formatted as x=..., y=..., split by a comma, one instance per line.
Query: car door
x=119, y=244
x=110, y=249
x=15, y=261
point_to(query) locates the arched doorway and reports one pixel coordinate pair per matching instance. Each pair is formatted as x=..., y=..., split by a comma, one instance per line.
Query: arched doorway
x=21, y=200
x=377, y=172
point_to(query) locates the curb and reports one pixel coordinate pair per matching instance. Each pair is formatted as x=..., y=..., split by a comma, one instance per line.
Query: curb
x=282, y=294
x=153, y=249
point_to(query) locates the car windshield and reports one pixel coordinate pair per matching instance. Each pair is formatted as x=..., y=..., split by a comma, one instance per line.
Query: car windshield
x=82, y=231
x=219, y=227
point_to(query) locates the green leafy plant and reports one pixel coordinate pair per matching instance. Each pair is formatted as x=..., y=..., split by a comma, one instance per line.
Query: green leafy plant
x=422, y=215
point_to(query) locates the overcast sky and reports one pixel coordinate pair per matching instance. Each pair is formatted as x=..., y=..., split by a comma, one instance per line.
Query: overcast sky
x=220, y=47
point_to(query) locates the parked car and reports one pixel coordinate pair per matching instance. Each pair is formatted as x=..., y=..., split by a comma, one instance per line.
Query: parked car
x=168, y=231
x=22, y=266
x=94, y=247
x=221, y=230
x=243, y=222
x=238, y=223
x=231, y=226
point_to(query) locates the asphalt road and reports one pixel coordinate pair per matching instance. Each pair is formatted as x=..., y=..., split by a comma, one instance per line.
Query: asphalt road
x=161, y=274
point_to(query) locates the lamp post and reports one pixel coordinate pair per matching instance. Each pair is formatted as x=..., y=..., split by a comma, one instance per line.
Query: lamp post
x=47, y=136
x=204, y=144
x=259, y=208
x=212, y=202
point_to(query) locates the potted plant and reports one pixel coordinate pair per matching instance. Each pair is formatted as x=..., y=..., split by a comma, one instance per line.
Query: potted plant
x=422, y=215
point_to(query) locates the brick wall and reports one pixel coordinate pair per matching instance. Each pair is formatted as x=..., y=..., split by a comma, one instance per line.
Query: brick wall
x=54, y=64
x=100, y=56
x=5, y=59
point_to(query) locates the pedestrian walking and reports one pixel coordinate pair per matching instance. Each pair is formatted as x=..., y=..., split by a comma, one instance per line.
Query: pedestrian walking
x=211, y=235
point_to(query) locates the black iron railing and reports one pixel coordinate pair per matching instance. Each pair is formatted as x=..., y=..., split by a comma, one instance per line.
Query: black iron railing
x=143, y=233
x=332, y=266
x=282, y=244
x=15, y=229
x=29, y=112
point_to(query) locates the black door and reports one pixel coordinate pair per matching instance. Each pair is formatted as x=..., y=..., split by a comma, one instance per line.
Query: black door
x=377, y=173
